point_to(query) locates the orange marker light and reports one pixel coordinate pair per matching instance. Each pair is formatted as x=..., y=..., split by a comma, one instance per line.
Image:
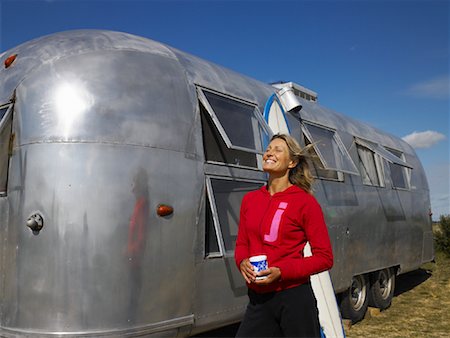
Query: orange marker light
x=164, y=210
x=9, y=61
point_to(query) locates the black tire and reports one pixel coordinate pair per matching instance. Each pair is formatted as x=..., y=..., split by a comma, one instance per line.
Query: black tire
x=382, y=285
x=355, y=300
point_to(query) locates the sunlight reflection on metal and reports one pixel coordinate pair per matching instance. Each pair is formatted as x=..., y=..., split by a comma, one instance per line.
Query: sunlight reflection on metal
x=71, y=101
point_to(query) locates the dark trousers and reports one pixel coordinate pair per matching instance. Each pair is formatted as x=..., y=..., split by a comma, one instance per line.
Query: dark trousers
x=288, y=313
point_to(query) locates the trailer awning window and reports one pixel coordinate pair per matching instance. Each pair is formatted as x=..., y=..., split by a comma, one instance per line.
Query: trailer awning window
x=5, y=114
x=225, y=197
x=370, y=165
x=383, y=152
x=3, y=111
x=329, y=148
x=400, y=174
x=217, y=152
x=318, y=167
x=240, y=123
x=5, y=136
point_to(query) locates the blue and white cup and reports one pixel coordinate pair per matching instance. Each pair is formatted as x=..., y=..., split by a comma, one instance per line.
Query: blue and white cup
x=259, y=264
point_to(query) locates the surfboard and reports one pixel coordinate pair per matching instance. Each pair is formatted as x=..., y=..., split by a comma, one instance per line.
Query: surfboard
x=329, y=314
x=275, y=116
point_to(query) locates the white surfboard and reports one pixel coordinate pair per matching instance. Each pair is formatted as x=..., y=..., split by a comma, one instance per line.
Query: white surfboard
x=275, y=116
x=329, y=315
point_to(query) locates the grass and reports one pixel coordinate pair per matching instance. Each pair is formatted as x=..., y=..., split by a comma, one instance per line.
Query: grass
x=420, y=308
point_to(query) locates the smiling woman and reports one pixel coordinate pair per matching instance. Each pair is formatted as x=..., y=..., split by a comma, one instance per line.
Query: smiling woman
x=285, y=153
x=277, y=221
x=276, y=158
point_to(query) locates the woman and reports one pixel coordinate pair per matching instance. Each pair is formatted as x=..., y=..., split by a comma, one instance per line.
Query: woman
x=277, y=221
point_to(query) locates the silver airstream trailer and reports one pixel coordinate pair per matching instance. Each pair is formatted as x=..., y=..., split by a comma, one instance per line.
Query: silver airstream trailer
x=122, y=166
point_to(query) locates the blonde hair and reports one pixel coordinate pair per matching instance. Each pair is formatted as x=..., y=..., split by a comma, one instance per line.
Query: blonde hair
x=300, y=175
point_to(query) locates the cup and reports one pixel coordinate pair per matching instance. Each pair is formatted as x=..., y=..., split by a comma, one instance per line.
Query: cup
x=259, y=264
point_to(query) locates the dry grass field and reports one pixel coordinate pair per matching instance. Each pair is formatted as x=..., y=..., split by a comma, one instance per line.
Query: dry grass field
x=420, y=308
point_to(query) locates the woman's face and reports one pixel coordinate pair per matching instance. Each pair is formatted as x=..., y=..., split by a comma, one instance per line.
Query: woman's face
x=276, y=158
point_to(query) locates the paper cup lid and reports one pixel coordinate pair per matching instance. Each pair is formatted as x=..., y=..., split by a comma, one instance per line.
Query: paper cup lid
x=258, y=258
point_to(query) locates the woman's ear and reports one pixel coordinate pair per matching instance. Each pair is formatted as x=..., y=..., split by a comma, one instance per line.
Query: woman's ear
x=292, y=164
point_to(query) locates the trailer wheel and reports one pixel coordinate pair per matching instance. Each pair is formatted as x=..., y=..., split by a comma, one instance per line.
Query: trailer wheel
x=382, y=288
x=355, y=300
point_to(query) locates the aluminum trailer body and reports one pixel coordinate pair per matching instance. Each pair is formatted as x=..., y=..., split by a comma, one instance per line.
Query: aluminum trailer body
x=100, y=129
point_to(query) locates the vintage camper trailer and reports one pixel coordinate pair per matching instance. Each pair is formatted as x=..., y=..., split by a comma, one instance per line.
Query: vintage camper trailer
x=122, y=166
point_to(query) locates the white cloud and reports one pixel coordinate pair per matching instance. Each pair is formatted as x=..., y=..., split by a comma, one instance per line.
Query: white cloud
x=424, y=139
x=437, y=88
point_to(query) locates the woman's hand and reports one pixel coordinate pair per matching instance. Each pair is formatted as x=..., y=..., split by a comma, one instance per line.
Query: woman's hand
x=272, y=274
x=247, y=271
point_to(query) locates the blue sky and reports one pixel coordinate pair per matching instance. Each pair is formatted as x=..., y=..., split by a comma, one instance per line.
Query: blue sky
x=382, y=62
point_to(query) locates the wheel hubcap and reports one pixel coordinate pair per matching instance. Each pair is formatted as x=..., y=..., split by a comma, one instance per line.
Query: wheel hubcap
x=358, y=293
x=385, y=284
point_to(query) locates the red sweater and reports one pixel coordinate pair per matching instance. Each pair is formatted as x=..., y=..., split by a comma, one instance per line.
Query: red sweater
x=279, y=226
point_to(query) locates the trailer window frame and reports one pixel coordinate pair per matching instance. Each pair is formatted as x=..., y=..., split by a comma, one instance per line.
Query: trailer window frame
x=350, y=168
x=211, y=245
x=397, y=168
x=376, y=162
x=260, y=129
x=6, y=111
x=219, y=228
x=217, y=152
x=396, y=161
x=318, y=168
x=384, y=152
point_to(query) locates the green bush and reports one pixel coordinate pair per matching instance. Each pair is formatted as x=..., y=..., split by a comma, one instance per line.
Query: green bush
x=443, y=236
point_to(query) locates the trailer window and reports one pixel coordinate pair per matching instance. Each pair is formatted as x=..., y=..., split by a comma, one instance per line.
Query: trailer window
x=370, y=166
x=318, y=168
x=329, y=148
x=3, y=111
x=217, y=151
x=240, y=124
x=5, y=136
x=399, y=168
x=211, y=244
x=400, y=175
x=225, y=198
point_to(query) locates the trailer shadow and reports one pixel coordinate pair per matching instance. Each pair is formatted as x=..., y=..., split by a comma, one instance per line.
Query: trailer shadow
x=226, y=331
x=410, y=280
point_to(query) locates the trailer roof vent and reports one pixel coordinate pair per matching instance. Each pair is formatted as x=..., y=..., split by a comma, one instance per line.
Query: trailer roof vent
x=299, y=91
